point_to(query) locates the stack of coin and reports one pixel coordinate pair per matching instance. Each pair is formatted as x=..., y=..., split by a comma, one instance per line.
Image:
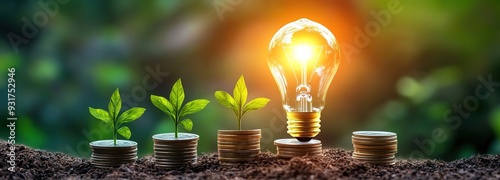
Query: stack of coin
x=289, y=148
x=375, y=147
x=106, y=154
x=171, y=152
x=238, y=146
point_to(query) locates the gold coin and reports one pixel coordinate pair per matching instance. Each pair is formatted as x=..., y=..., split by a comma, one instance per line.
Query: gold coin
x=392, y=138
x=239, y=146
x=236, y=151
x=300, y=153
x=238, y=143
x=367, y=142
x=381, y=147
x=239, y=132
x=373, y=154
x=298, y=149
x=373, y=157
x=238, y=137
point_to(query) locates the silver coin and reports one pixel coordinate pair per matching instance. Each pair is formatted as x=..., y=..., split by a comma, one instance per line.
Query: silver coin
x=292, y=142
x=110, y=144
x=373, y=133
x=170, y=137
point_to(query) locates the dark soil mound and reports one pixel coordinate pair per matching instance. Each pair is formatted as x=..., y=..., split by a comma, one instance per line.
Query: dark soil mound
x=336, y=163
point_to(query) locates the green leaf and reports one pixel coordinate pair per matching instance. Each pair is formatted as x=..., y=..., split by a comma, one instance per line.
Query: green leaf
x=226, y=100
x=102, y=115
x=187, y=124
x=240, y=93
x=255, y=104
x=177, y=96
x=131, y=114
x=125, y=132
x=193, y=107
x=115, y=104
x=164, y=105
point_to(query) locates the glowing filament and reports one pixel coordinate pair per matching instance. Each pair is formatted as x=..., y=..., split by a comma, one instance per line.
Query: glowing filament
x=303, y=53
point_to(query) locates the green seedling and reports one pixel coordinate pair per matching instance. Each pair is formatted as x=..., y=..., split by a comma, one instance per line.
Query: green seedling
x=114, y=121
x=238, y=100
x=174, y=109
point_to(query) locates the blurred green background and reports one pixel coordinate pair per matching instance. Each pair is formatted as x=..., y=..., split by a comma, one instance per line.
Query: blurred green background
x=423, y=62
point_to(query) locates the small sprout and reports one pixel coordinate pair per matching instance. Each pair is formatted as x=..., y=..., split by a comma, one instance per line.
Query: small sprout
x=174, y=109
x=238, y=100
x=112, y=118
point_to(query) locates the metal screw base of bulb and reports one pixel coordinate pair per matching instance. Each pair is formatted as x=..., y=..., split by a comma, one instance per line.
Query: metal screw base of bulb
x=303, y=125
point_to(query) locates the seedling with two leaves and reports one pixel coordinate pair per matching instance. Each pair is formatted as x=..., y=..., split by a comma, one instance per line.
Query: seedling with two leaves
x=238, y=100
x=174, y=109
x=113, y=118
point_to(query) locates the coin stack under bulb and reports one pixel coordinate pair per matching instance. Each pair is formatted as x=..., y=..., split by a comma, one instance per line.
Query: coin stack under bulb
x=291, y=147
x=375, y=147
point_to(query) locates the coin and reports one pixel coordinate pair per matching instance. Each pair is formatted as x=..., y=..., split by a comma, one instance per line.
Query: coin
x=373, y=134
x=170, y=137
x=110, y=143
x=375, y=147
x=294, y=143
x=172, y=152
x=289, y=148
x=239, y=132
x=105, y=153
x=238, y=146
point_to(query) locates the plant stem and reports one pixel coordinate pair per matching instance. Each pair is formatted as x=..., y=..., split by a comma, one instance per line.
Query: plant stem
x=114, y=132
x=239, y=124
x=176, y=130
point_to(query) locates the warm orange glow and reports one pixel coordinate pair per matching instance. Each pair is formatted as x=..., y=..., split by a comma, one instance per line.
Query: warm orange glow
x=303, y=53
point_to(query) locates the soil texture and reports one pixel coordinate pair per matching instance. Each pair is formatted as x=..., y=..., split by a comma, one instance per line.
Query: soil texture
x=335, y=163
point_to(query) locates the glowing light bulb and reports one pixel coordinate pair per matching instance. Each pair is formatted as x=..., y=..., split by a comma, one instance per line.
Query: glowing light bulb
x=303, y=58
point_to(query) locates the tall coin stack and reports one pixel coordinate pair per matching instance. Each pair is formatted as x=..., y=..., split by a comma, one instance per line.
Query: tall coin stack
x=238, y=146
x=106, y=154
x=375, y=147
x=291, y=147
x=171, y=152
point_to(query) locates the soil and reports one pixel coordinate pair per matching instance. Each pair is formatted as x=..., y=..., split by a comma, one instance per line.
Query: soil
x=336, y=163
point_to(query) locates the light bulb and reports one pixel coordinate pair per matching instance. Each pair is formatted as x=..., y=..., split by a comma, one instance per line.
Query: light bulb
x=303, y=58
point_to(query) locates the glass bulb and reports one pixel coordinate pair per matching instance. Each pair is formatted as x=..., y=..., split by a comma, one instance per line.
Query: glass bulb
x=303, y=58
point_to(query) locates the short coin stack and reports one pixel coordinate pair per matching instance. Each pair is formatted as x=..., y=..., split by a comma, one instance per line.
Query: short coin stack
x=171, y=152
x=291, y=147
x=106, y=154
x=238, y=146
x=375, y=147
